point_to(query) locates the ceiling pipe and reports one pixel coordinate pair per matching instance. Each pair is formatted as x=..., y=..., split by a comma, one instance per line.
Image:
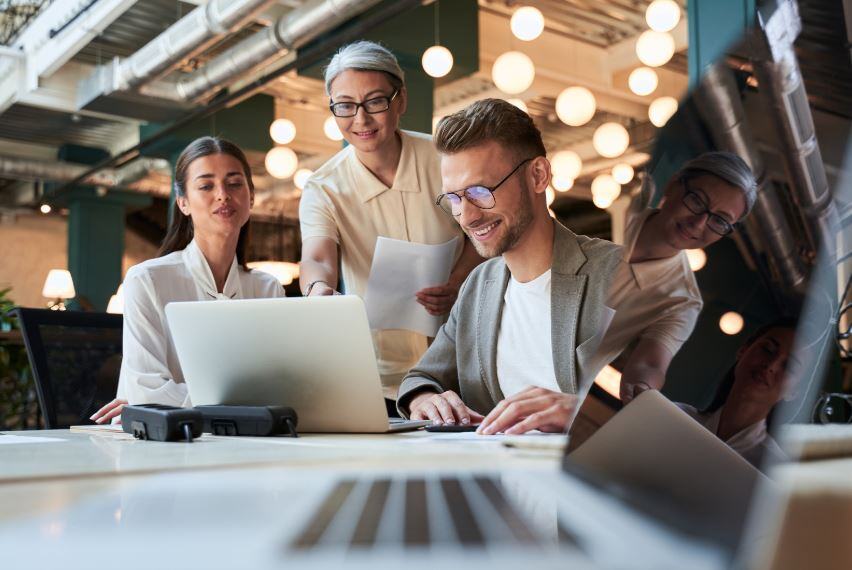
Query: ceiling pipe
x=781, y=86
x=27, y=169
x=187, y=37
x=292, y=31
x=721, y=109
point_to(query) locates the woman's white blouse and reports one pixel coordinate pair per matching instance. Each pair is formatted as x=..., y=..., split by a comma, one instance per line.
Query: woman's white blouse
x=150, y=371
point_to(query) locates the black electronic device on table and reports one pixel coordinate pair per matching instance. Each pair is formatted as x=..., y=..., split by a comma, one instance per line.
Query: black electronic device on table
x=161, y=423
x=450, y=428
x=249, y=420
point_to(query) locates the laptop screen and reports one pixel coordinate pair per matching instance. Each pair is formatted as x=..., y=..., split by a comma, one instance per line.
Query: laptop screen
x=756, y=341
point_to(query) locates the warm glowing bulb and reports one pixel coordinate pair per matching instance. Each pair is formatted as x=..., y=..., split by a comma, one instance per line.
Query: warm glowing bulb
x=45, y=208
x=661, y=110
x=566, y=164
x=655, y=48
x=550, y=193
x=643, y=81
x=300, y=178
x=575, y=106
x=519, y=103
x=437, y=61
x=513, y=72
x=731, y=323
x=697, y=258
x=662, y=15
x=527, y=23
x=605, y=190
x=281, y=162
x=622, y=173
x=562, y=184
x=282, y=131
x=611, y=140
x=331, y=130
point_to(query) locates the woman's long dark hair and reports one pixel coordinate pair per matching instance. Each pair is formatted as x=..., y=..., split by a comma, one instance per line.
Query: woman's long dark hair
x=181, y=230
x=727, y=383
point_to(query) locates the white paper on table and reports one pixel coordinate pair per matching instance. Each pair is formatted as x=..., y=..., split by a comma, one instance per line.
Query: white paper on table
x=400, y=269
x=8, y=439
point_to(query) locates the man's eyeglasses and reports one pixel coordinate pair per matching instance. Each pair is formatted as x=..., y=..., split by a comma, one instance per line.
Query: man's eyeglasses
x=372, y=106
x=695, y=203
x=480, y=196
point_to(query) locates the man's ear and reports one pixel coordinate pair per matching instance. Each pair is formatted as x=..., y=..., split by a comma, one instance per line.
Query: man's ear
x=539, y=171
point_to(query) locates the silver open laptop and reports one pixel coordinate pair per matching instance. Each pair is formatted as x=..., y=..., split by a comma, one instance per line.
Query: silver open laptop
x=312, y=354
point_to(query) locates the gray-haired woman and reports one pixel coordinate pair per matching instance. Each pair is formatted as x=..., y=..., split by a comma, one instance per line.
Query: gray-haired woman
x=384, y=183
x=655, y=296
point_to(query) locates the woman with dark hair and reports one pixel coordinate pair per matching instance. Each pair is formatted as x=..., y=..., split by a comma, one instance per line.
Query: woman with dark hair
x=203, y=257
x=764, y=373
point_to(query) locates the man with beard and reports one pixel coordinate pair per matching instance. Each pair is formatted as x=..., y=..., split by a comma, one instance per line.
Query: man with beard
x=515, y=349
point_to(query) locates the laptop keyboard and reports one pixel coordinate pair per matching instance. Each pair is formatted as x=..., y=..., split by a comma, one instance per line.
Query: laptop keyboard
x=419, y=512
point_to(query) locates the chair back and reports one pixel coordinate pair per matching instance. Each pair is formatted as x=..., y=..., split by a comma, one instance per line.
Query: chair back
x=75, y=359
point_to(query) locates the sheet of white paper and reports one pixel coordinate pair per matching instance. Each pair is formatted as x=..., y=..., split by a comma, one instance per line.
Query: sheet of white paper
x=400, y=269
x=7, y=439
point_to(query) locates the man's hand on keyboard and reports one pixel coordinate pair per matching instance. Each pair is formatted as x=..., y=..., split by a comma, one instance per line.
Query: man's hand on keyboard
x=444, y=408
x=533, y=408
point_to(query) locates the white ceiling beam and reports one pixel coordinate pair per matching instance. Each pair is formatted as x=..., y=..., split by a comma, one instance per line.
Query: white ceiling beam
x=45, y=54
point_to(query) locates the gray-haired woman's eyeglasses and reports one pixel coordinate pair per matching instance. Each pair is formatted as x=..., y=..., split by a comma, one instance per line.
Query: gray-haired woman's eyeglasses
x=372, y=106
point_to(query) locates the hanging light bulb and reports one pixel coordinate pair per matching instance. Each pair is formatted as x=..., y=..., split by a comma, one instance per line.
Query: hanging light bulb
x=661, y=110
x=697, y=258
x=610, y=140
x=562, y=184
x=282, y=131
x=45, y=208
x=566, y=164
x=437, y=61
x=281, y=162
x=662, y=15
x=550, y=193
x=331, y=130
x=604, y=191
x=731, y=323
x=642, y=81
x=300, y=178
x=575, y=106
x=527, y=23
x=655, y=48
x=519, y=103
x=622, y=173
x=513, y=72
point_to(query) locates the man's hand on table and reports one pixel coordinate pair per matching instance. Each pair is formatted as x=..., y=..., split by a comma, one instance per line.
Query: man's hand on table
x=531, y=409
x=444, y=408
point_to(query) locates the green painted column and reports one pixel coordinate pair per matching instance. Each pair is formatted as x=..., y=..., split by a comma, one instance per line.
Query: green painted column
x=714, y=27
x=96, y=241
x=95, y=232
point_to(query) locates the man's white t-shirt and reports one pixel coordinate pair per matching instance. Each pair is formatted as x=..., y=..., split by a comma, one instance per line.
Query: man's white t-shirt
x=524, y=348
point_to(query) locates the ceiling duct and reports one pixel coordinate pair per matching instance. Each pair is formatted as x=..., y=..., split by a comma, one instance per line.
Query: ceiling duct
x=720, y=106
x=189, y=36
x=781, y=85
x=290, y=32
x=27, y=169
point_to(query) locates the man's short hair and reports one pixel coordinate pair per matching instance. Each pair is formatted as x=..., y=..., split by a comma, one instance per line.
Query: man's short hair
x=490, y=120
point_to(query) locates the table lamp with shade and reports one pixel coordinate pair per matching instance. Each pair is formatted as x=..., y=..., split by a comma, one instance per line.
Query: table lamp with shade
x=58, y=287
